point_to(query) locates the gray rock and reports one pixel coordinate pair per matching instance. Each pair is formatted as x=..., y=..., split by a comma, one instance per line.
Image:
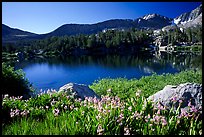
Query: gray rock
x=79, y=90
x=184, y=92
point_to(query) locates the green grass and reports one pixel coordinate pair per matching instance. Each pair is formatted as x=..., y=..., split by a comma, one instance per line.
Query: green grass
x=149, y=85
x=120, y=111
x=195, y=48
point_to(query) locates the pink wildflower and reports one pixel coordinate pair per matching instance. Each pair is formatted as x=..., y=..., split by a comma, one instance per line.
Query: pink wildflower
x=100, y=130
x=174, y=99
x=56, y=112
x=130, y=108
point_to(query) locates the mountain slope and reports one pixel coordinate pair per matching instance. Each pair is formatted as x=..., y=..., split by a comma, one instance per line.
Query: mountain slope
x=12, y=35
x=186, y=20
x=153, y=21
x=149, y=21
x=189, y=19
x=73, y=29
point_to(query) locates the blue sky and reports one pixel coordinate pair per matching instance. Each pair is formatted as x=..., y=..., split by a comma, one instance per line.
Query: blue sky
x=44, y=17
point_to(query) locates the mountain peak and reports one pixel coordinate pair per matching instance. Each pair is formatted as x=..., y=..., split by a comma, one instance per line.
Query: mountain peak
x=149, y=16
x=188, y=16
x=154, y=15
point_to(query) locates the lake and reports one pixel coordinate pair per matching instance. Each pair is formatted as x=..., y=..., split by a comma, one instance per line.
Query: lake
x=47, y=73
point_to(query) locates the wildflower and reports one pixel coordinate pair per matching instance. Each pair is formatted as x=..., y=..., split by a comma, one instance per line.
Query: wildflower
x=77, y=123
x=136, y=115
x=127, y=131
x=147, y=118
x=65, y=107
x=164, y=123
x=150, y=125
x=121, y=115
x=76, y=108
x=174, y=99
x=193, y=109
x=200, y=132
x=46, y=107
x=156, y=119
x=138, y=93
x=180, y=101
x=159, y=106
x=100, y=130
x=200, y=108
x=6, y=95
x=54, y=91
x=71, y=107
x=56, y=112
x=158, y=112
x=120, y=118
x=109, y=90
x=108, y=99
x=90, y=99
x=17, y=112
x=121, y=123
x=48, y=91
x=25, y=112
x=22, y=113
x=95, y=100
x=98, y=117
x=53, y=102
x=12, y=114
x=130, y=108
x=152, y=120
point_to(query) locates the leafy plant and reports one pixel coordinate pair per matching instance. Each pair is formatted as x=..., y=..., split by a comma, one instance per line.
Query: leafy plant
x=14, y=81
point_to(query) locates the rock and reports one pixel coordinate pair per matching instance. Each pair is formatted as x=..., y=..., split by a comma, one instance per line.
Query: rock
x=184, y=92
x=80, y=90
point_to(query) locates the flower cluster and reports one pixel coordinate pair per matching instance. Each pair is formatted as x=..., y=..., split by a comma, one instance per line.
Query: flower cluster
x=109, y=110
x=100, y=130
x=127, y=131
x=17, y=112
x=56, y=112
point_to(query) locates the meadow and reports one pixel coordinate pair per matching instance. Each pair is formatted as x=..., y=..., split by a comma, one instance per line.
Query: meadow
x=122, y=110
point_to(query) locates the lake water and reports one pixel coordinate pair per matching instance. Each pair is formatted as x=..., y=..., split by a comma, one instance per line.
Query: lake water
x=47, y=73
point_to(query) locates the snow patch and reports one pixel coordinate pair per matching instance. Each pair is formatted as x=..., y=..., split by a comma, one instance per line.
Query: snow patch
x=176, y=21
x=149, y=16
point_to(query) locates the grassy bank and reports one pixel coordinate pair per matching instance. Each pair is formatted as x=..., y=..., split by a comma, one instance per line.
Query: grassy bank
x=194, y=48
x=149, y=85
x=120, y=111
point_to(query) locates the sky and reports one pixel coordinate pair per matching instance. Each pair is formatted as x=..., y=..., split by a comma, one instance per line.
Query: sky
x=44, y=17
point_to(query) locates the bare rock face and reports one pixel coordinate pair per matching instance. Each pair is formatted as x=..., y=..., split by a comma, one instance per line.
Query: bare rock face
x=79, y=90
x=185, y=92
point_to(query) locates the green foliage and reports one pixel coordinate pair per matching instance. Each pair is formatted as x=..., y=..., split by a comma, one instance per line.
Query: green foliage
x=148, y=84
x=122, y=110
x=66, y=44
x=61, y=114
x=13, y=81
x=190, y=35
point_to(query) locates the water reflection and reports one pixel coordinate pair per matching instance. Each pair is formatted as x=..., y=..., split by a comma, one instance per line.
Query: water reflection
x=54, y=72
x=180, y=60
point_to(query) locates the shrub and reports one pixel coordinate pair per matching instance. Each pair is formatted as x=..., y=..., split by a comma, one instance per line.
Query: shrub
x=14, y=82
